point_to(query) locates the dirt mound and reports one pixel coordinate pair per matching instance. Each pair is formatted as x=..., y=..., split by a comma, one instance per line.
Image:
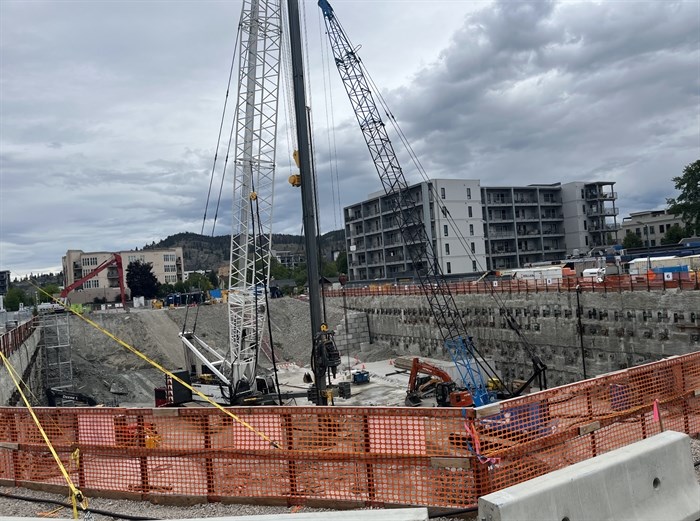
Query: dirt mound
x=112, y=375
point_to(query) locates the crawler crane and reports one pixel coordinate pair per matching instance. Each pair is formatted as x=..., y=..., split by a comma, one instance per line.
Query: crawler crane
x=419, y=245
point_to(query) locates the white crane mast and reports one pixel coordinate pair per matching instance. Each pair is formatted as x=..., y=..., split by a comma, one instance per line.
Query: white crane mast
x=253, y=187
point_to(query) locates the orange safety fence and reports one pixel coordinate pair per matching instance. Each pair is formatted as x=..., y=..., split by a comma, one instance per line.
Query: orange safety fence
x=345, y=456
x=612, y=284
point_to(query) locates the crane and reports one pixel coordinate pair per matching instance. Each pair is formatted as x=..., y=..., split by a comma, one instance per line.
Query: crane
x=254, y=163
x=418, y=243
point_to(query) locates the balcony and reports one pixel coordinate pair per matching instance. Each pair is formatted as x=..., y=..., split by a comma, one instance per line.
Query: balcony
x=499, y=201
x=503, y=253
x=525, y=200
x=593, y=195
x=552, y=216
x=532, y=217
x=602, y=211
x=501, y=234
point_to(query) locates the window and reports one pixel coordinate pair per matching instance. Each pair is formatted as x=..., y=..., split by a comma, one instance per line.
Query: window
x=169, y=257
x=445, y=231
x=586, y=240
x=449, y=267
x=469, y=193
x=473, y=248
x=471, y=229
x=582, y=196
x=469, y=210
x=473, y=265
x=442, y=193
x=651, y=230
x=661, y=228
x=583, y=208
x=585, y=225
x=444, y=211
x=447, y=249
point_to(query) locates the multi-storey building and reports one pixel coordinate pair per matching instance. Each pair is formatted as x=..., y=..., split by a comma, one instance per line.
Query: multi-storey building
x=167, y=266
x=524, y=225
x=288, y=259
x=450, y=210
x=499, y=227
x=650, y=226
x=590, y=215
x=4, y=281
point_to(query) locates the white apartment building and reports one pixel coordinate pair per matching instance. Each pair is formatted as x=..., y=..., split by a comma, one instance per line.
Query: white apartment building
x=498, y=227
x=167, y=266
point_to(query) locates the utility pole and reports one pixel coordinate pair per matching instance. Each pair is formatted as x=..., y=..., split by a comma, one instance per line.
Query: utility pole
x=579, y=312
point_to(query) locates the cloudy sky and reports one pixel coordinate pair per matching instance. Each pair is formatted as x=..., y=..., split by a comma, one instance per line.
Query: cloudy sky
x=109, y=110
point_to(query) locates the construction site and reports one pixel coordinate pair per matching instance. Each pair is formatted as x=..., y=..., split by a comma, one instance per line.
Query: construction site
x=507, y=400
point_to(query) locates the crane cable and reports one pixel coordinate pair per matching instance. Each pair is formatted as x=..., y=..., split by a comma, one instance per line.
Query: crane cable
x=164, y=370
x=218, y=139
x=419, y=166
x=76, y=496
x=267, y=306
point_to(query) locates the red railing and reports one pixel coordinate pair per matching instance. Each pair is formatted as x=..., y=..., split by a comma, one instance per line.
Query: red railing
x=13, y=339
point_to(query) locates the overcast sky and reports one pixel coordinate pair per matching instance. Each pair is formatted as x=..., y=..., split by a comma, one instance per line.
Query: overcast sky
x=109, y=111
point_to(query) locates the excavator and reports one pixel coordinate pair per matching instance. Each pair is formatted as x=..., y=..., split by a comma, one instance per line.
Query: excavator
x=446, y=392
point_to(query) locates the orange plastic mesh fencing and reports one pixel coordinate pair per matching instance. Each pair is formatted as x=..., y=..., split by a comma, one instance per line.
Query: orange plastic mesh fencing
x=612, y=284
x=441, y=457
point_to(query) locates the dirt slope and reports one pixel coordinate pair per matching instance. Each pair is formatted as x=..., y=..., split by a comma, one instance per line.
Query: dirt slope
x=112, y=375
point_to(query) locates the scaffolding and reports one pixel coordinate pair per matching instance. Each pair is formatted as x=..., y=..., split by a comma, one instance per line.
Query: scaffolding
x=55, y=343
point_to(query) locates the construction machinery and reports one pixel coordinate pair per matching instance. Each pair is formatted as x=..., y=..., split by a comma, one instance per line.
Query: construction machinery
x=438, y=382
x=418, y=243
x=229, y=374
x=117, y=272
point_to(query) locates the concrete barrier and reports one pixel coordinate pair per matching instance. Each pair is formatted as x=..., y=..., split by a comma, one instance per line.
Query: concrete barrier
x=652, y=479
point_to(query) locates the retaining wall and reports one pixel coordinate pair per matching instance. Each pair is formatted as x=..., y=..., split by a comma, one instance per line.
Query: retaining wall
x=620, y=329
x=21, y=347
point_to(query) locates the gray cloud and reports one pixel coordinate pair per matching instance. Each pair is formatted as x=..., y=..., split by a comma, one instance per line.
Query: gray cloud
x=109, y=110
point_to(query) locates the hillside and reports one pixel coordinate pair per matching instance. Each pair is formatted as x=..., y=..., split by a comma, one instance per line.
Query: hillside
x=202, y=252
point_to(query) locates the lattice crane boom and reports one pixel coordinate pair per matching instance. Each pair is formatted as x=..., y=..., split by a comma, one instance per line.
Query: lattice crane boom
x=253, y=186
x=417, y=238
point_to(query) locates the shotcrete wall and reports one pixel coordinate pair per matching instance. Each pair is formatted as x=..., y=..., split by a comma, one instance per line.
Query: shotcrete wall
x=620, y=329
x=27, y=362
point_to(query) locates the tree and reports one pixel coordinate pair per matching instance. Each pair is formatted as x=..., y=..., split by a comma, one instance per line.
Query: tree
x=165, y=289
x=632, y=240
x=687, y=204
x=14, y=297
x=213, y=279
x=674, y=235
x=342, y=262
x=197, y=281
x=141, y=280
x=277, y=270
x=48, y=290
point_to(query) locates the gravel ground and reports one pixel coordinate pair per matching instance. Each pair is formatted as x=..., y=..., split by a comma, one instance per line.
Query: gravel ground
x=15, y=507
